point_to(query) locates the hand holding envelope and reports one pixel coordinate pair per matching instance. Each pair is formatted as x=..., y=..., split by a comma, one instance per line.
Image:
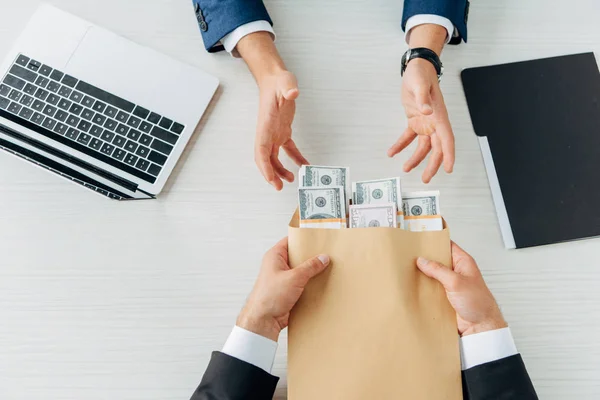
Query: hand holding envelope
x=372, y=322
x=279, y=287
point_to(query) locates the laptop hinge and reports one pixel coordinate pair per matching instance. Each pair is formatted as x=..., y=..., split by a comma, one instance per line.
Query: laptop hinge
x=67, y=172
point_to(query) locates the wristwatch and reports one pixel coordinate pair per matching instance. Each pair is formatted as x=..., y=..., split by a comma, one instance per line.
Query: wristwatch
x=425, y=53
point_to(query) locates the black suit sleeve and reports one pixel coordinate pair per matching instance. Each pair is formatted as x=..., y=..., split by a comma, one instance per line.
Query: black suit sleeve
x=227, y=378
x=502, y=379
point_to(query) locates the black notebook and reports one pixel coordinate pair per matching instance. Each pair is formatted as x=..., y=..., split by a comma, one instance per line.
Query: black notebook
x=538, y=125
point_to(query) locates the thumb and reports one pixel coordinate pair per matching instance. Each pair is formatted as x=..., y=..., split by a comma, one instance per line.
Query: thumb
x=423, y=99
x=288, y=87
x=291, y=94
x=311, y=268
x=437, y=271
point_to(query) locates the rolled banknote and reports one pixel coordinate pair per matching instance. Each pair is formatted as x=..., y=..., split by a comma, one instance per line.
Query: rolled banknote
x=322, y=207
x=373, y=215
x=422, y=211
x=380, y=191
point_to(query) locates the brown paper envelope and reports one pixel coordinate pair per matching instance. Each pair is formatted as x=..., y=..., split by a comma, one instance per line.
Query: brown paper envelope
x=372, y=326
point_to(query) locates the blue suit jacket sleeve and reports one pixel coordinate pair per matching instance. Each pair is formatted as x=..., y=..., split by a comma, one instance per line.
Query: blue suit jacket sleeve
x=456, y=11
x=217, y=18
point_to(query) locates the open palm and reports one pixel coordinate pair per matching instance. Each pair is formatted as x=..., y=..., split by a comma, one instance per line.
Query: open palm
x=427, y=119
x=274, y=131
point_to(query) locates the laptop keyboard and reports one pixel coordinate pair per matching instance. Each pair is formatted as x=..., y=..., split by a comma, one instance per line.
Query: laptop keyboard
x=88, y=119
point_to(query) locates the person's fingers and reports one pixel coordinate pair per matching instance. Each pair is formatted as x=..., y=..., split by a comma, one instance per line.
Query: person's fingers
x=262, y=157
x=291, y=94
x=280, y=248
x=462, y=262
x=280, y=169
x=282, y=245
x=404, y=140
x=310, y=268
x=444, y=132
x=419, y=155
x=288, y=86
x=435, y=160
x=292, y=151
x=263, y=160
x=423, y=99
x=277, y=183
x=440, y=273
x=458, y=253
x=279, y=251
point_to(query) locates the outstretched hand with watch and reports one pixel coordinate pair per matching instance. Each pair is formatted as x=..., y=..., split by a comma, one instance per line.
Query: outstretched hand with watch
x=424, y=103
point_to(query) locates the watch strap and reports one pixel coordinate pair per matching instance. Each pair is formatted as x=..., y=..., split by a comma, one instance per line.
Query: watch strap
x=426, y=54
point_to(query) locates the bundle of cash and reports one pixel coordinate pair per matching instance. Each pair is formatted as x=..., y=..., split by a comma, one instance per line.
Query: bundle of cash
x=322, y=196
x=323, y=202
x=422, y=211
x=380, y=191
x=373, y=215
x=316, y=175
x=322, y=207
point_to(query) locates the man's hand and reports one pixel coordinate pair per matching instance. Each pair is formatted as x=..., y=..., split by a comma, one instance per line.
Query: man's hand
x=425, y=108
x=476, y=309
x=277, y=106
x=278, y=93
x=276, y=291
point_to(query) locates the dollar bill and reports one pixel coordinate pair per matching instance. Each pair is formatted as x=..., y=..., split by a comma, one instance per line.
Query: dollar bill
x=322, y=176
x=380, y=191
x=373, y=215
x=422, y=211
x=322, y=207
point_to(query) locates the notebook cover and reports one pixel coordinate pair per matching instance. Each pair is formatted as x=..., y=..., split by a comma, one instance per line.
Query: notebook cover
x=541, y=120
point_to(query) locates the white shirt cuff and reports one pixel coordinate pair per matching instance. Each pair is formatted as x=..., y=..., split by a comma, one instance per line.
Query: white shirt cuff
x=231, y=40
x=429, y=19
x=485, y=347
x=251, y=348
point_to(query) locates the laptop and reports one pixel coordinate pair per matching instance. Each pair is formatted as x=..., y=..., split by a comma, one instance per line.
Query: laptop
x=98, y=109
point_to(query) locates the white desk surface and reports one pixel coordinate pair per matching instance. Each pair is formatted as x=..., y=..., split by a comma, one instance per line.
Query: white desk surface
x=109, y=300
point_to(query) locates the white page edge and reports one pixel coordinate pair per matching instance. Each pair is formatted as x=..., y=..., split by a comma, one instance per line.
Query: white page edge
x=505, y=228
